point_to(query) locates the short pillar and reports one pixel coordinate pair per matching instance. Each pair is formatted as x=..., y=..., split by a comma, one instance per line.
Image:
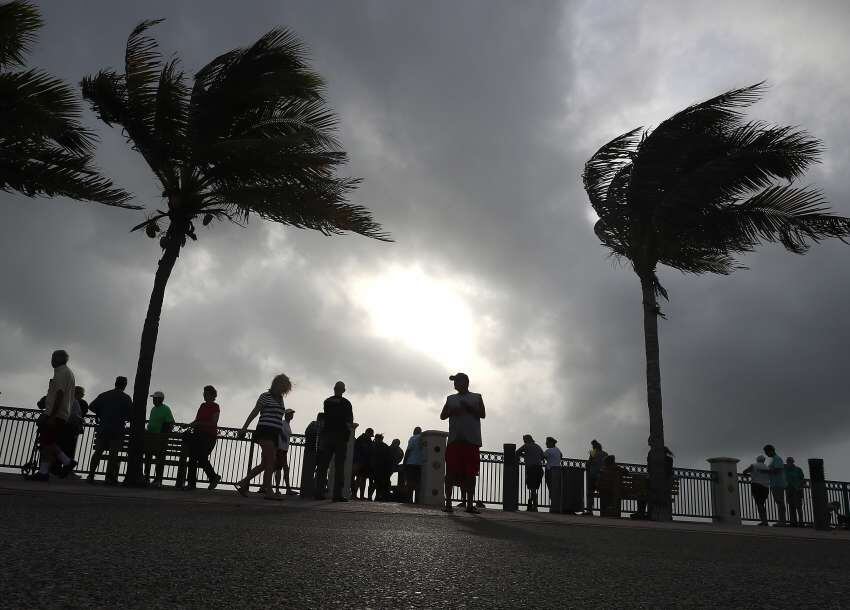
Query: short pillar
x=725, y=496
x=820, y=503
x=556, y=489
x=510, y=479
x=349, y=466
x=431, y=490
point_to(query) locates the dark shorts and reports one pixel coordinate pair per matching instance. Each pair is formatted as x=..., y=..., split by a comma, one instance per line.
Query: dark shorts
x=760, y=492
x=52, y=431
x=412, y=474
x=266, y=433
x=462, y=460
x=533, y=476
x=104, y=440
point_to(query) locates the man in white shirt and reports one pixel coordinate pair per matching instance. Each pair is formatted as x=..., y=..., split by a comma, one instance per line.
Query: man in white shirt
x=57, y=408
x=759, y=486
x=464, y=410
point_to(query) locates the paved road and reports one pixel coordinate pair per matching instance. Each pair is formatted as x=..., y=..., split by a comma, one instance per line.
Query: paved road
x=78, y=550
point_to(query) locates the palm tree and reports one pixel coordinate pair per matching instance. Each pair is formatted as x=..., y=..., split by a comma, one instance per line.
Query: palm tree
x=692, y=194
x=44, y=150
x=252, y=135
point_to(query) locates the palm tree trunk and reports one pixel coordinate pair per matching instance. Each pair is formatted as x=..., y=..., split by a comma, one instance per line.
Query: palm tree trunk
x=141, y=385
x=659, y=486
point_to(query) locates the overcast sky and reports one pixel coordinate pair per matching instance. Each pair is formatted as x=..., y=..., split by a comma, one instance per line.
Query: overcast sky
x=469, y=123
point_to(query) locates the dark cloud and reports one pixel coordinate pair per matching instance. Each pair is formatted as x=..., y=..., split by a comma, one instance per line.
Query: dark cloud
x=470, y=123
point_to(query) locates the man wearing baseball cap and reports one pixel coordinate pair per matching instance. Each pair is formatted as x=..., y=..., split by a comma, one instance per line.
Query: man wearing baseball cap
x=159, y=424
x=464, y=410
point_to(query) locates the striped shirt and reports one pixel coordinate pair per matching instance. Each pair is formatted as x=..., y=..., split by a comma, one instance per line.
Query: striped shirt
x=271, y=411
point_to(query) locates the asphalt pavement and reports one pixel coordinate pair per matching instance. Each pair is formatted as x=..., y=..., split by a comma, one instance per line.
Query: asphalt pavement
x=77, y=546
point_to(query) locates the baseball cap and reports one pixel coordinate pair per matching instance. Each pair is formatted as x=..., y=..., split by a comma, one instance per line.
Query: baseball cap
x=287, y=411
x=158, y=394
x=459, y=376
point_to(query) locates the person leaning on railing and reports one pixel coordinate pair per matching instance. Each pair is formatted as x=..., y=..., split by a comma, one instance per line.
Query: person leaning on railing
x=201, y=440
x=160, y=423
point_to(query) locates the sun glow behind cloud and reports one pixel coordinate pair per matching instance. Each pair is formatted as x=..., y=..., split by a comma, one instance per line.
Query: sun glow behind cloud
x=422, y=312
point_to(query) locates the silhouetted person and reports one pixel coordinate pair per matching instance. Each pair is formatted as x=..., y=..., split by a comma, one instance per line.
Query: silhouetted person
x=339, y=421
x=361, y=467
x=414, y=458
x=553, y=459
x=271, y=410
x=464, y=410
x=70, y=433
x=795, y=479
x=112, y=409
x=311, y=454
x=380, y=467
x=57, y=411
x=668, y=475
x=610, y=487
x=595, y=461
x=202, y=440
x=396, y=458
x=533, y=469
x=160, y=423
x=282, y=461
x=759, y=486
x=777, y=482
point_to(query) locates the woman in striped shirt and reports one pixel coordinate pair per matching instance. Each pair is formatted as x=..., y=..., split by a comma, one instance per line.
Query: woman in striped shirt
x=270, y=408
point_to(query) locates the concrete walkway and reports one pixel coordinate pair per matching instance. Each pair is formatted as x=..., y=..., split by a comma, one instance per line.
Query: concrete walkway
x=69, y=544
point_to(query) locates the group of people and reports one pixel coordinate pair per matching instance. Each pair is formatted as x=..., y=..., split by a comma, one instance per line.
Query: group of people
x=784, y=481
x=327, y=438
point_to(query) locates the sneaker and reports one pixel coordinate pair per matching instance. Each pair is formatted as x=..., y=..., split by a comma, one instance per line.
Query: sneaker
x=291, y=492
x=587, y=512
x=764, y=523
x=190, y=487
x=67, y=469
x=156, y=485
x=90, y=479
x=40, y=476
x=214, y=482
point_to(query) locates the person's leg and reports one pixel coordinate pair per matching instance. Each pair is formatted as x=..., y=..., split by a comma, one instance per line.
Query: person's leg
x=761, y=505
x=469, y=488
x=159, y=457
x=779, y=498
x=789, y=494
x=591, y=487
x=449, y=485
x=269, y=452
x=94, y=463
x=340, y=451
x=324, y=463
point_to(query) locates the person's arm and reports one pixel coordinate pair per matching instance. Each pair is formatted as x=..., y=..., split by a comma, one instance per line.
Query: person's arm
x=251, y=417
x=521, y=451
x=51, y=413
x=478, y=410
x=169, y=417
x=747, y=470
x=447, y=411
x=214, y=418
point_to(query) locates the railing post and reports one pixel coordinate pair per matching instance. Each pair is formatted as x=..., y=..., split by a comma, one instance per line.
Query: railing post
x=846, y=494
x=510, y=479
x=347, y=467
x=725, y=496
x=820, y=507
x=431, y=490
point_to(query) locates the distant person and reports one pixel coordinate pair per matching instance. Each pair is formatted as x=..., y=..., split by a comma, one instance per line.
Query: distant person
x=553, y=460
x=595, y=460
x=70, y=433
x=271, y=410
x=396, y=457
x=311, y=453
x=57, y=411
x=160, y=423
x=796, y=480
x=464, y=410
x=380, y=467
x=202, y=440
x=610, y=487
x=642, y=513
x=112, y=409
x=778, y=483
x=282, y=460
x=759, y=486
x=414, y=458
x=339, y=422
x=834, y=516
x=534, y=458
x=361, y=466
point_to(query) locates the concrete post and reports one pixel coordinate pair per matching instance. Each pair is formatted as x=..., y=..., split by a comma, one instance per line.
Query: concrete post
x=510, y=479
x=820, y=503
x=349, y=466
x=725, y=497
x=431, y=490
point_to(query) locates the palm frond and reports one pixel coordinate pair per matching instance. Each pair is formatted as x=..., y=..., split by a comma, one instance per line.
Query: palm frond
x=606, y=163
x=33, y=169
x=106, y=93
x=36, y=105
x=19, y=22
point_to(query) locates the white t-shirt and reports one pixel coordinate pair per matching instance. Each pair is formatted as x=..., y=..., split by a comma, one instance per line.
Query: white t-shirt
x=63, y=379
x=760, y=474
x=553, y=457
